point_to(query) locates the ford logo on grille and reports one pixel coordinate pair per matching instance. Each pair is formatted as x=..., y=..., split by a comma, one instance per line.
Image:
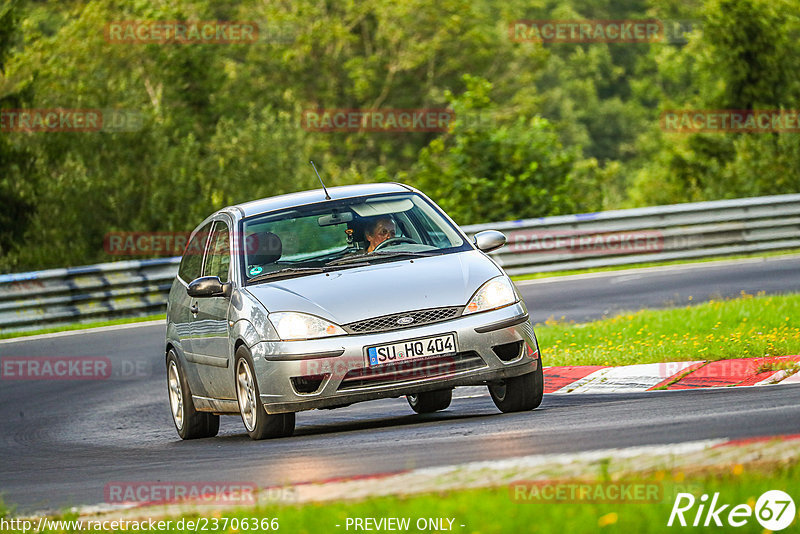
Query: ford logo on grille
x=405, y=320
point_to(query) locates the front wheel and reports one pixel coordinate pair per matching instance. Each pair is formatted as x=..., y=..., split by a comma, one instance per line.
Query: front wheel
x=430, y=401
x=189, y=423
x=257, y=421
x=520, y=393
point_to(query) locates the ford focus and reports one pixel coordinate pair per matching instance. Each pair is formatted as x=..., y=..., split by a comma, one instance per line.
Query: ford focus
x=322, y=299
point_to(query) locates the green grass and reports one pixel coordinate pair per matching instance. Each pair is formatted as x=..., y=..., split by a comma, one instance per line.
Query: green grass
x=83, y=326
x=746, y=327
x=493, y=510
x=551, y=274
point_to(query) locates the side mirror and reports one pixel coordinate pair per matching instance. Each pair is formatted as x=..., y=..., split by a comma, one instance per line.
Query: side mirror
x=489, y=240
x=209, y=286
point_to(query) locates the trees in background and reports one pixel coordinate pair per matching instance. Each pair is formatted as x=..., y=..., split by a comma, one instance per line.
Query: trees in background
x=488, y=167
x=16, y=199
x=540, y=129
x=743, y=59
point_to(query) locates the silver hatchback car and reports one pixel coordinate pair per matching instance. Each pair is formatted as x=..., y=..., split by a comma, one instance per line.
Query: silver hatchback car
x=323, y=299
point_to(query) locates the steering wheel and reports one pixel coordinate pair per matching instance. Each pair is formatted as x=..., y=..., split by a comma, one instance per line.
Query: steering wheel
x=394, y=241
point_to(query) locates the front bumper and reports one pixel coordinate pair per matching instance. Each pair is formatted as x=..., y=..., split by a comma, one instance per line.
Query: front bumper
x=330, y=372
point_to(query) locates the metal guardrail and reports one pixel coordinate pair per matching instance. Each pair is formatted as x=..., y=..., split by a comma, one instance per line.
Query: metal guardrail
x=83, y=294
x=639, y=235
x=621, y=237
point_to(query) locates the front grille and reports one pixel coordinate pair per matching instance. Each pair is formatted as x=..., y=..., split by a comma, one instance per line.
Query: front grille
x=411, y=319
x=411, y=370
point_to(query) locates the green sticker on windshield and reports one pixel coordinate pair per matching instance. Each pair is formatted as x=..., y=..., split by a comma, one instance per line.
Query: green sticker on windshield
x=255, y=269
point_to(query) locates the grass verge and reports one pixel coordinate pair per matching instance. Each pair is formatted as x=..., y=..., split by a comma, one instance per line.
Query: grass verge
x=746, y=327
x=551, y=274
x=84, y=326
x=507, y=509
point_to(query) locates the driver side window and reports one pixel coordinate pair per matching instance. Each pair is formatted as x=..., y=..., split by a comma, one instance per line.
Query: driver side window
x=218, y=255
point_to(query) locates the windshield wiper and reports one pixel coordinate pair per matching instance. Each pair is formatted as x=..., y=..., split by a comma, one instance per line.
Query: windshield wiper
x=288, y=272
x=381, y=254
x=358, y=258
x=390, y=254
x=291, y=272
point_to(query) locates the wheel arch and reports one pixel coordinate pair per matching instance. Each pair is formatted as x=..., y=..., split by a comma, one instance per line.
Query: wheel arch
x=239, y=343
x=170, y=346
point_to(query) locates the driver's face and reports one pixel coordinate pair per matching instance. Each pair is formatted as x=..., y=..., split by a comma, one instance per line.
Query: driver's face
x=384, y=229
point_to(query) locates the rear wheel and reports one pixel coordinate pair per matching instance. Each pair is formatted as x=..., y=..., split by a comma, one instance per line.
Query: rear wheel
x=189, y=423
x=520, y=393
x=430, y=401
x=259, y=424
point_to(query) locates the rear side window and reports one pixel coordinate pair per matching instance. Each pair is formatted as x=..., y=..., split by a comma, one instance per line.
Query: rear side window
x=192, y=259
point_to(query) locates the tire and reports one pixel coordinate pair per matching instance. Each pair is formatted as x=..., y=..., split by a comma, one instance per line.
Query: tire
x=189, y=423
x=520, y=393
x=430, y=401
x=258, y=423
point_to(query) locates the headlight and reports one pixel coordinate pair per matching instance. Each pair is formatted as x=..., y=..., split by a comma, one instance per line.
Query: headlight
x=293, y=325
x=496, y=293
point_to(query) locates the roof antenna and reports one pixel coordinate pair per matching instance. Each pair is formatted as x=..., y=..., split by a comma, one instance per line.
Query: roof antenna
x=327, y=196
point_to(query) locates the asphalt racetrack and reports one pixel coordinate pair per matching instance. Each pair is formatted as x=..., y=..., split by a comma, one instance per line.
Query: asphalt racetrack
x=63, y=441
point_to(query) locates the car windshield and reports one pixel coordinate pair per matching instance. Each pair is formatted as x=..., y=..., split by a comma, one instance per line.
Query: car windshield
x=344, y=233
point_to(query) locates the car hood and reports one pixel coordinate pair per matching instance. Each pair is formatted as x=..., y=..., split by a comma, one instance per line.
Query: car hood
x=384, y=288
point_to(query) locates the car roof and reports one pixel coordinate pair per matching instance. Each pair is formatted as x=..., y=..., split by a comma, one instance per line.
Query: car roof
x=255, y=207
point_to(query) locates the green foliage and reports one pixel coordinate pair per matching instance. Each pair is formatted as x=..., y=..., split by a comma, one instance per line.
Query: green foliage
x=15, y=198
x=563, y=127
x=486, y=168
x=743, y=59
x=747, y=327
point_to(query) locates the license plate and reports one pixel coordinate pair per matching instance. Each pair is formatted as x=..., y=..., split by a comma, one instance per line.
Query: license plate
x=412, y=348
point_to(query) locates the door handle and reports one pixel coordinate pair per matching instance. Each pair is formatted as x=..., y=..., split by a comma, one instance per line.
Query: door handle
x=194, y=309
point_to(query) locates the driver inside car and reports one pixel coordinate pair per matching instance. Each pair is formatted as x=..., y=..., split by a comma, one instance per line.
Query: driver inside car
x=380, y=230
